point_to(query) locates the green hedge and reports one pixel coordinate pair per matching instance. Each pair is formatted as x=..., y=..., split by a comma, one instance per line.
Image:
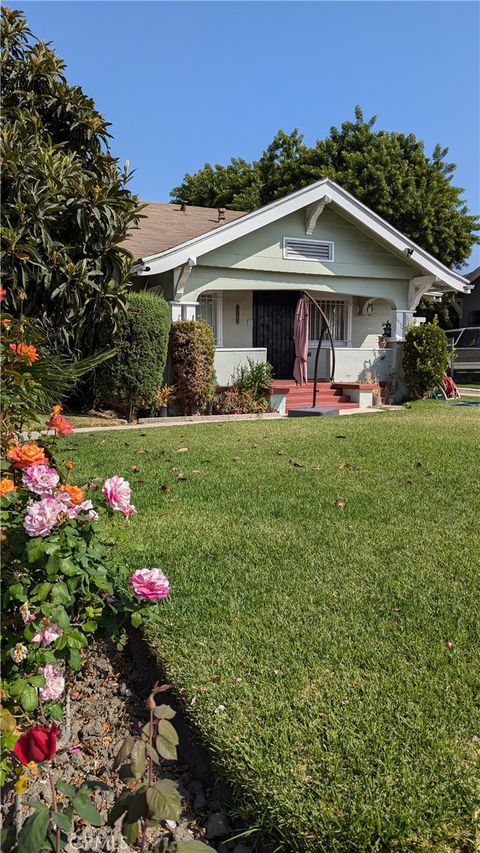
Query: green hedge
x=425, y=358
x=192, y=349
x=132, y=378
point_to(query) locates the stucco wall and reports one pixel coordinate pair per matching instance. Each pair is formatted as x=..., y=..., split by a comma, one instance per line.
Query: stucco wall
x=367, y=327
x=237, y=334
x=227, y=362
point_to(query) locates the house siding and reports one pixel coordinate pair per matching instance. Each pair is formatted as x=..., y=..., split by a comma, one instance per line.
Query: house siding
x=355, y=253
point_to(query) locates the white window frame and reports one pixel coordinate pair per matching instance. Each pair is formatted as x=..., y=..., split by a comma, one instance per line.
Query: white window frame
x=348, y=302
x=328, y=243
x=218, y=294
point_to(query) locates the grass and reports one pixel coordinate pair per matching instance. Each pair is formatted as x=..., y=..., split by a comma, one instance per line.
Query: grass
x=348, y=722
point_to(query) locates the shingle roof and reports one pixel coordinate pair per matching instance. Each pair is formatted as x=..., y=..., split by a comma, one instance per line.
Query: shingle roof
x=167, y=225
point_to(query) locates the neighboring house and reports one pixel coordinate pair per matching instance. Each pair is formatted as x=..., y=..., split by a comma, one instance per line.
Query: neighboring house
x=470, y=303
x=244, y=272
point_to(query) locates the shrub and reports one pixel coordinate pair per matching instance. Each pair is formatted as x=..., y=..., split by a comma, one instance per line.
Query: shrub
x=257, y=378
x=192, y=348
x=425, y=358
x=235, y=402
x=132, y=378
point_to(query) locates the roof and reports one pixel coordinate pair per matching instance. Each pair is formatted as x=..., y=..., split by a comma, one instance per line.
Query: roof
x=167, y=225
x=322, y=192
x=474, y=275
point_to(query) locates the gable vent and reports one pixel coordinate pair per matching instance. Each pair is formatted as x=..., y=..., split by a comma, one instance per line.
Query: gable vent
x=295, y=249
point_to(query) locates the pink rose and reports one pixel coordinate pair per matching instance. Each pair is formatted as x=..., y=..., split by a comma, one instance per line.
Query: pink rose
x=86, y=507
x=129, y=510
x=26, y=613
x=40, y=479
x=54, y=682
x=42, y=516
x=47, y=635
x=117, y=492
x=150, y=583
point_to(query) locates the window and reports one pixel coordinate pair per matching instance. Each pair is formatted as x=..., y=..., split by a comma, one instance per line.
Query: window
x=307, y=250
x=338, y=315
x=210, y=310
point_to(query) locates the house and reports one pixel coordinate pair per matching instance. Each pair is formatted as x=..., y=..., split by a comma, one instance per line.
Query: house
x=244, y=273
x=470, y=304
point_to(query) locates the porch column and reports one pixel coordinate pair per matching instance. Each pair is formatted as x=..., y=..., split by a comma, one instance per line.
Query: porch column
x=183, y=311
x=400, y=321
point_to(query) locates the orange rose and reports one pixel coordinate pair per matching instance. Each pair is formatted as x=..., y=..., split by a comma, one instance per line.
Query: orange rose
x=69, y=464
x=57, y=410
x=60, y=425
x=6, y=486
x=6, y=323
x=25, y=455
x=25, y=351
x=75, y=494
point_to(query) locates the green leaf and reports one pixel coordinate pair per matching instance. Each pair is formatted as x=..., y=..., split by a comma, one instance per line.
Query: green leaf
x=60, y=593
x=69, y=790
x=29, y=698
x=60, y=616
x=83, y=806
x=164, y=712
x=62, y=821
x=55, y=710
x=119, y=808
x=152, y=753
x=76, y=640
x=124, y=751
x=167, y=740
x=164, y=801
x=42, y=591
x=75, y=660
x=136, y=619
x=130, y=831
x=137, y=761
x=137, y=806
x=37, y=680
x=17, y=687
x=191, y=846
x=90, y=627
x=36, y=549
x=34, y=832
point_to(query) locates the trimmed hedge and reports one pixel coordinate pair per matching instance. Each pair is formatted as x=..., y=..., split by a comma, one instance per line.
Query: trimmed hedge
x=425, y=358
x=192, y=349
x=132, y=378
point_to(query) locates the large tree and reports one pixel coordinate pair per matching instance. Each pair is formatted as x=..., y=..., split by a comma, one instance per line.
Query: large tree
x=66, y=207
x=388, y=171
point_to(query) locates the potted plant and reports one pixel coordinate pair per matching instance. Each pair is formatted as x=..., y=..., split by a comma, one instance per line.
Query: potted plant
x=164, y=396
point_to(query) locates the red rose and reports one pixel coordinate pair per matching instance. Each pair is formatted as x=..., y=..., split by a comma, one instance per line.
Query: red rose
x=37, y=744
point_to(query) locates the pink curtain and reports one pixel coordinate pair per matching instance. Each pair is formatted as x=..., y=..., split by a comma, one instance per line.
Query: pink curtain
x=300, y=337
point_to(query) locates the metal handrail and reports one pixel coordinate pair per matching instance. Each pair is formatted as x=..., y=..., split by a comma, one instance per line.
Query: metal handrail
x=332, y=347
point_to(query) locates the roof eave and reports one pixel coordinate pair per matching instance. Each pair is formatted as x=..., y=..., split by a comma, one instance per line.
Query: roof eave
x=191, y=249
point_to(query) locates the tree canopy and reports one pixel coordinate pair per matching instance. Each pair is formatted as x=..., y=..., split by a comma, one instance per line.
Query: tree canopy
x=66, y=207
x=388, y=171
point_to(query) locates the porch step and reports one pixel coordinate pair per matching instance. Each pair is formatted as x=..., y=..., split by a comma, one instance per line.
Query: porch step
x=300, y=397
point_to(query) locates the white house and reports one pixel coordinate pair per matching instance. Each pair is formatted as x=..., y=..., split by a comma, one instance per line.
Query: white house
x=244, y=272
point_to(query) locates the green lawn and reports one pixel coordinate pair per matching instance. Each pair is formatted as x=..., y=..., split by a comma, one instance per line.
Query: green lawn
x=349, y=725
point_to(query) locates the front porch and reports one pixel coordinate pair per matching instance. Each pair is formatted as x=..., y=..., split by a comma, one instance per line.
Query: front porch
x=258, y=325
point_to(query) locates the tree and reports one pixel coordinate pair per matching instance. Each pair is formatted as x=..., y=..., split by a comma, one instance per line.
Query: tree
x=66, y=207
x=388, y=171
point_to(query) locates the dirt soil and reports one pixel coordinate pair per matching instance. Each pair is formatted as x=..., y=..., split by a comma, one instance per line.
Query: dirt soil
x=107, y=702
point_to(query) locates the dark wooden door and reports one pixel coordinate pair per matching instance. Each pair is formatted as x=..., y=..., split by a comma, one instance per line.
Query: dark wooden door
x=273, y=317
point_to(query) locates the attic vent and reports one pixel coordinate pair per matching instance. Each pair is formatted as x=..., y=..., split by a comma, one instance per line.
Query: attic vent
x=307, y=250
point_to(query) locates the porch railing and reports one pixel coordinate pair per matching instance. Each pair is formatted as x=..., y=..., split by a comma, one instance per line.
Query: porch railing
x=325, y=328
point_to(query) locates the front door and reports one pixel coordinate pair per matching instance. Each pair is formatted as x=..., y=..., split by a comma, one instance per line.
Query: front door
x=273, y=318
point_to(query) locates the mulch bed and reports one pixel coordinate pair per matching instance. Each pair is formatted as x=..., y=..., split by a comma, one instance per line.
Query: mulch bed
x=107, y=702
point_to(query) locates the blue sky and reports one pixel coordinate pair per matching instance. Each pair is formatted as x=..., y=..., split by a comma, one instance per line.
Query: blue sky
x=187, y=82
